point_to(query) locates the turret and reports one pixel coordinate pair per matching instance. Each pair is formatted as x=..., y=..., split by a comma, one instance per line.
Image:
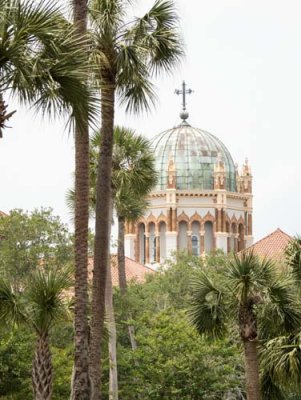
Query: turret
x=219, y=173
x=244, y=183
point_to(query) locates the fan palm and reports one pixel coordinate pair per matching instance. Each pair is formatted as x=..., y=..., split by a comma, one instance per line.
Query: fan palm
x=130, y=51
x=250, y=294
x=133, y=177
x=281, y=360
x=41, y=61
x=39, y=305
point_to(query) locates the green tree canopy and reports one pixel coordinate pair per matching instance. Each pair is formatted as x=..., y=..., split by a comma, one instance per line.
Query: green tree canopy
x=31, y=239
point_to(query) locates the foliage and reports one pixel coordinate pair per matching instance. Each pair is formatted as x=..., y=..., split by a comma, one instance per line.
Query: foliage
x=16, y=349
x=172, y=361
x=32, y=239
x=248, y=285
x=130, y=50
x=293, y=258
x=42, y=60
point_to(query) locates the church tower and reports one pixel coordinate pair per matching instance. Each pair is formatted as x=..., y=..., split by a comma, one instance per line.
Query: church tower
x=201, y=201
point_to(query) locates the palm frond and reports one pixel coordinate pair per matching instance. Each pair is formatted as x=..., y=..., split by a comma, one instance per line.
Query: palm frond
x=293, y=258
x=208, y=310
x=134, y=88
x=11, y=306
x=247, y=274
x=46, y=292
x=281, y=309
x=281, y=359
x=44, y=62
x=157, y=35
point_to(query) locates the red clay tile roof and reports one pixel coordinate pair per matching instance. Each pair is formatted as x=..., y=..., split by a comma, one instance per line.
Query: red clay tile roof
x=2, y=214
x=271, y=246
x=133, y=270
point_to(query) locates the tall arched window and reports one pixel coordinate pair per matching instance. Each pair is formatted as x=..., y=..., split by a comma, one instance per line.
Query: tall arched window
x=241, y=237
x=152, y=242
x=183, y=245
x=195, y=238
x=208, y=236
x=162, y=230
x=141, y=243
x=232, y=238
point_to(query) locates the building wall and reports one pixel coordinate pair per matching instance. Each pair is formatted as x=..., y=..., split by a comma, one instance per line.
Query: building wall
x=194, y=221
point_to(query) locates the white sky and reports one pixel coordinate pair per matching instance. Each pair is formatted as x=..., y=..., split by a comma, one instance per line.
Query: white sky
x=243, y=61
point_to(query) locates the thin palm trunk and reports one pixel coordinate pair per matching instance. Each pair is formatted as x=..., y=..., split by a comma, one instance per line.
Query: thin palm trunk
x=252, y=370
x=122, y=276
x=121, y=256
x=110, y=315
x=101, y=244
x=112, y=344
x=42, y=369
x=80, y=381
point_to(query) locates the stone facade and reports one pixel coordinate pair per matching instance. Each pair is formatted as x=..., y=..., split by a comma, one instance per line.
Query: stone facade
x=195, y=220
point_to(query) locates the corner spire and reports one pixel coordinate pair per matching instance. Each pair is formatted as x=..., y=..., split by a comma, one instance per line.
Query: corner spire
x=184, y=114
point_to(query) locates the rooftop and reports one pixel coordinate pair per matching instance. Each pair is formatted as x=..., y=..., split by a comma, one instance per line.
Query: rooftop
x=271, y=246
x=133, y=270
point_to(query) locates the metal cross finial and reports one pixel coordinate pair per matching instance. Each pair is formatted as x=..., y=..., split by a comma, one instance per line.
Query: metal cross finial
x=184, y=115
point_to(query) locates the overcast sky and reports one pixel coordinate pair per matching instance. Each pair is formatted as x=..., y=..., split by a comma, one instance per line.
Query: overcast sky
x=243, y=61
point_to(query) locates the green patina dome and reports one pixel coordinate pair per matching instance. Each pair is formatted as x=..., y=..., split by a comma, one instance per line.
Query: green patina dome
x=194, y=153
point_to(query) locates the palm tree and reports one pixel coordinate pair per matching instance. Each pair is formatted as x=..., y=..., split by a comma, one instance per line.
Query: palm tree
x=250, y=294
x=43, y=61
x=133, y=177
x=281, y=359
x=40, y=305
x=130, y=52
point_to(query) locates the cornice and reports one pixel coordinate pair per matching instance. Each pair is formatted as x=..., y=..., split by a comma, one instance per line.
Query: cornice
x=201, y=193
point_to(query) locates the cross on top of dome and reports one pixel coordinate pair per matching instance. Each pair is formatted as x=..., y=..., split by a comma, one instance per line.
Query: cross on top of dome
x=184, y=114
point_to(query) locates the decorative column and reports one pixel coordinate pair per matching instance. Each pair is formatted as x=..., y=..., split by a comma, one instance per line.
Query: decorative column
x=174, y=219
x=169, y=220
x=189, y=243
x=250, y=225
x=202, y=241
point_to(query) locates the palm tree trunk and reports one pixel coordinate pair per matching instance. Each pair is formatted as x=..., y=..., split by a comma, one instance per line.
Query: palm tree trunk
x=42, y=369
x=121, y=256
x=252, y=370
x=80, y=379
x=110, y=318
x=101, y=244
x=122, y=275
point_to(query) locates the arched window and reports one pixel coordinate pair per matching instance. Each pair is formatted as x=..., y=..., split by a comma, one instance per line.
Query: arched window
x=208, y=236
x=152, y=243
x=141, y=243
x=232, y=237
x=241, y=237
x=183, y=235
x=162, y=230
x=195, y=238
x=195, y=245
